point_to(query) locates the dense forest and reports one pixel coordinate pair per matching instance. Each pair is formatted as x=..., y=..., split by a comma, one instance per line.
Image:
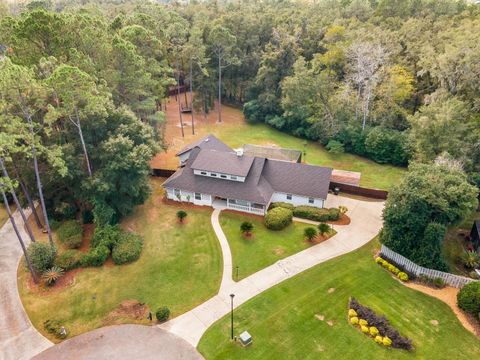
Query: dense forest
x=82, y=84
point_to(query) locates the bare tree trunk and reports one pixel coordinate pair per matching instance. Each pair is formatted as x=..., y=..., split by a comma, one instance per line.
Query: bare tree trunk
x=191, y=96
x=31, y=204
x=178, y=93
x=366, y=106
x=17, y=203
x=79, y=127
x=22, y=244
x=219, y=89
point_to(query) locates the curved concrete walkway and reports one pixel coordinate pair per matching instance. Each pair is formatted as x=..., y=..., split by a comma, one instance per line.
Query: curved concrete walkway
x=18, y=338
x=366, y=222
x=123, y=342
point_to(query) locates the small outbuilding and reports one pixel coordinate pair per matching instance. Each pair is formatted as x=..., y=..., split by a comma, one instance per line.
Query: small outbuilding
x=475, y=234
x=245, y=338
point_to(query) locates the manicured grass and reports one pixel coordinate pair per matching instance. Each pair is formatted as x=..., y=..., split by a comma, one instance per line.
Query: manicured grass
x=180, y=267
x=374, y=175
x=283, y=325
x=265, y=247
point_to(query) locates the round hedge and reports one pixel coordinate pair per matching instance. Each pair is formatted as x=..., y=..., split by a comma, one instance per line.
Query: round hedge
x=127, y=249
x=162, y=314
x=278, y=218
x=42, y=256
x=468, y=298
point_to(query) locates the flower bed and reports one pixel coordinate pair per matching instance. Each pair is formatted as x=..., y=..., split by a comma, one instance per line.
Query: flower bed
x=376, y=327
x=392, y=268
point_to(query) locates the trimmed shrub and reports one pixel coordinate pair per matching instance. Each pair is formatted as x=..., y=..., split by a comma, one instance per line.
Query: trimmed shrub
x=379, y=260
x=373, y=331
x=402, y=276
x=379, y=339
x=364, y=329
x=316, y=214
x=42, y=256
x=468, y=298
x=162, y=314
x=95, y=257
x=69, y=260
x=335, y=147
x=354, y=320
x=54, y=327
x=352, y=313
x=363, y=322
x=439, y=283
x=127, y=249
x=386, y=341
x=70, y=233
x=107, y=236
x=282, y=204
x=278, y=218
x=343, y=209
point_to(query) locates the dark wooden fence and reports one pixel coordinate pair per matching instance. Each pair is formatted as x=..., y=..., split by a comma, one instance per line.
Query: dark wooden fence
x=163, y=172
x=358, y=190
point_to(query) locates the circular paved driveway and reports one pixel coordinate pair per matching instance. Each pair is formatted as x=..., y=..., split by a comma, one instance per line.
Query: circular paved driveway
x=123, y=342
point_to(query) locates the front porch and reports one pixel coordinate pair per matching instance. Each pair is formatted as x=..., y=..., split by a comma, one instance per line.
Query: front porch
x=239, y=205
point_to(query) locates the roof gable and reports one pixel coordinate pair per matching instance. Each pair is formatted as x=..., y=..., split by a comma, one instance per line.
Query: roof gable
x=207, y=142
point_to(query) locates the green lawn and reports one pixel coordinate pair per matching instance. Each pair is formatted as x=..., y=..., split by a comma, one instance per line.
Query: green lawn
x=374, y=175
x=264, y=248
x=180, y=267
x=283, y=325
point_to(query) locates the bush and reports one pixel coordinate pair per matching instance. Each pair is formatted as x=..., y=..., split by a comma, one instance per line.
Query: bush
x=69, y=260
x=343, y=209
x=70, y=233
x=373, y=331
x=323, y=228
x=246, y=227
x=364, y=329
x=107, y=236
x=181, y=215
x=354, y=320
x=379, y=260
x=385, y=145
x=162, y=314
x=95, y=257
x=282, y=204
x=468, y=298
x=278, y=218
x=127, y=249
x=64, y=211
x=310, y=233
x=470, y=259
x=54, y=327
x=439, y=283
x=335, y=147
x=42, y=256
x=402, y=276
x=379, y=339
x=363, y=322
x=87, y=216
x=352, y=313
x=316, y=214
x=386, y=341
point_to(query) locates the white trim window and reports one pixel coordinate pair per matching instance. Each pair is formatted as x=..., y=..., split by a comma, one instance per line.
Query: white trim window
x=311, y=200
x=198, y=196
x=289, y=196
x=233, y=177
x=213, y=174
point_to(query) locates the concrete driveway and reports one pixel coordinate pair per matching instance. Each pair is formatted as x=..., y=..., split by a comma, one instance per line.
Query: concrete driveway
x=123, y=342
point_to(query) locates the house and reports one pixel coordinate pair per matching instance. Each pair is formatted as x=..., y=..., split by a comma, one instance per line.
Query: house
x=213, y=174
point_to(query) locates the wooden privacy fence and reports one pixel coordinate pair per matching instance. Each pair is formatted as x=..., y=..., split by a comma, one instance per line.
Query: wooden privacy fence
x=358, y=190
x=450, y=279
x=163, y=172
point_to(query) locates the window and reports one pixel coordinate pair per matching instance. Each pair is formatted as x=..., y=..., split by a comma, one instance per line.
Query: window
x=311, y=200
x=198, y=196
x=289, y=196
x=223, y=176
x=176, y=192
x=213, y=174
x=233, y=177
x=203, y=173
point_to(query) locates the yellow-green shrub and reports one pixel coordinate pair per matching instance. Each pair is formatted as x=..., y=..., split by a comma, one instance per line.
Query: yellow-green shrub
x=378, y=339
x=352, y=313
x=373, y=331
x=402, y=276
x=386, y=341
x=363, y=322
x=354, y=320
x=378, y=260
x=364, y=329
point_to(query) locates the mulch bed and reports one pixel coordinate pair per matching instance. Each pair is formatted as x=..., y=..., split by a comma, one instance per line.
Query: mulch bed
x=127, y=309
x=344, y=220
x=64, y=282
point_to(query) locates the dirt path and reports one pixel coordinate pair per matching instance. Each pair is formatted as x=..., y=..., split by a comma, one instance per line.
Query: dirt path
x=449, y=296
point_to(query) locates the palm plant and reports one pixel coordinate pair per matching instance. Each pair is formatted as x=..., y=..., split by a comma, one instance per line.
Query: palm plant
x=323, y=228
x=310, y=233
x=471, y=259
x=52, y=275
x=246, y=227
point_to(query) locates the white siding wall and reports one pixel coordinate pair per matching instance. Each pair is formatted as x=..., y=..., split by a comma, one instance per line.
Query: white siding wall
x=187, y=196
x=219, y=176
x=296, y=200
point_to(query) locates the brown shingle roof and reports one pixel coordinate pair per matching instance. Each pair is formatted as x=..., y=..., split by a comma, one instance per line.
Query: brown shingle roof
x=222, y=162
x=207, y=142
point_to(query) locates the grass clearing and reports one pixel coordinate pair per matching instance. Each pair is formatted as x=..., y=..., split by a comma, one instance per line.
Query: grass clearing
x=180, y=267
x=265, y=247
x=285, y=321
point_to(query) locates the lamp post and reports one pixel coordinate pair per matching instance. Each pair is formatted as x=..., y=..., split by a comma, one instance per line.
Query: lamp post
x=231, y=314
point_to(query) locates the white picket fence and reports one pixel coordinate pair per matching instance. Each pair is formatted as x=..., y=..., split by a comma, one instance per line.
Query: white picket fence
x=450, y=279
